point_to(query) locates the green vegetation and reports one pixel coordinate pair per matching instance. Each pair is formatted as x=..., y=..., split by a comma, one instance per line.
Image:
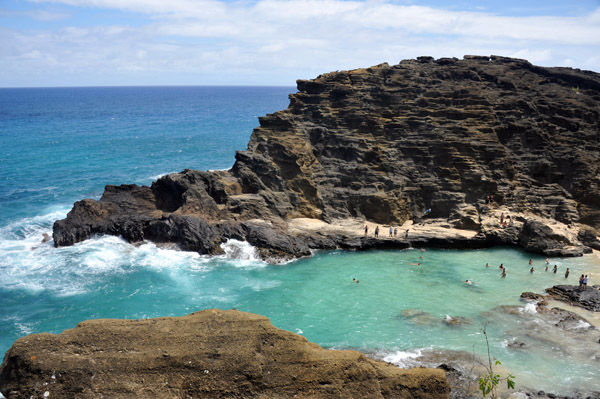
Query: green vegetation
x=489, y=382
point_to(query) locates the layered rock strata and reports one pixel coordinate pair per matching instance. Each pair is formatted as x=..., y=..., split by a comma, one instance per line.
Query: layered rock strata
x=209, y=354
x=422, y=140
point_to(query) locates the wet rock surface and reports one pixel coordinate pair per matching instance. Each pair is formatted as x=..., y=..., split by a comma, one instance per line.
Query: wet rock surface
x=588, y=298
x=208, y=354
x=425, y=139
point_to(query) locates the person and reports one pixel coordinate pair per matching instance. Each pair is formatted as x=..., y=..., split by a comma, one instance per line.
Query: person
x=585, y=281
x=395, y=231
x=546, y=267
x=567, y=273
x=415, y=264
x=487, y=199
x=510, y=221
x=503, y=272
x=468, y=282
x=487, y=265
x=530, y=261
x=366, y=230
x=501, y=266
x=555, y=269
x=531, y=270
x=406, y=233
x=547, y=261
x=502, y=218
x=391, y=231
x=581, y=282
x=377, y=231
x=355, y=280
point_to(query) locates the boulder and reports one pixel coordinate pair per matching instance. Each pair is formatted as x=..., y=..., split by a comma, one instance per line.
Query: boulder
x=209, y=354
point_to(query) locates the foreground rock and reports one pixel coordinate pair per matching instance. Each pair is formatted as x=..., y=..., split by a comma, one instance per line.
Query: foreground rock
x=588, y=299
x=419, y=141
x=208, y=354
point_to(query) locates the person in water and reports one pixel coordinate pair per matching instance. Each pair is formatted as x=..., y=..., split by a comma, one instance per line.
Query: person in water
x=355, y=280
x=531, y=261
x=555, y=269
x=468, y=282
x=567, y=273
x=531, y=270
x=487, y=265
x=415, y=264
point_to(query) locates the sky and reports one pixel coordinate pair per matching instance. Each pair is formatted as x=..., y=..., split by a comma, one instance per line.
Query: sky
x=56, y=43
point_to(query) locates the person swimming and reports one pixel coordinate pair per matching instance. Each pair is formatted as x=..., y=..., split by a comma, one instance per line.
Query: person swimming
x=468, y=282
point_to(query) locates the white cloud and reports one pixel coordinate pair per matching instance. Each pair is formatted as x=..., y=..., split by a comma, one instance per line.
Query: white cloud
x=275, y=42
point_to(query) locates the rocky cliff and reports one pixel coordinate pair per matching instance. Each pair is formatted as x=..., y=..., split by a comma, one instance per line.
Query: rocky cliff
x=209, y=354
x=385, y=144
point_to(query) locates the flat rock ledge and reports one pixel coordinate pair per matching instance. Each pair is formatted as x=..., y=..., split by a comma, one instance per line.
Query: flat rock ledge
x=588, y=299
x=207, y=354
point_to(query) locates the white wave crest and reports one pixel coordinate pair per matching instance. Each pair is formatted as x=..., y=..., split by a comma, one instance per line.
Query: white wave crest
x=529, y=308
x=404, y=359
x=241, y=250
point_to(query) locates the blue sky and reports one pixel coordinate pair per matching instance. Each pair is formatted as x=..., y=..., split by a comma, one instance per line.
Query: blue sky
x=274, y=42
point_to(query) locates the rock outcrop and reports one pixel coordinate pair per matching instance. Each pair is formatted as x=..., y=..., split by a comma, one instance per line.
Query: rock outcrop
x=588, y=298
x=209, y=354
x=422, y=140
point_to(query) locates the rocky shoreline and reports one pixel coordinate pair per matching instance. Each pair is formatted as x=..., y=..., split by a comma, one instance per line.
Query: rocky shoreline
x=503, y=151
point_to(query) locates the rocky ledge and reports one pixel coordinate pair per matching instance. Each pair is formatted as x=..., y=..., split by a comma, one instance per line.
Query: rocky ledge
x=208, y=354
x=424, y=141
x=588, y=298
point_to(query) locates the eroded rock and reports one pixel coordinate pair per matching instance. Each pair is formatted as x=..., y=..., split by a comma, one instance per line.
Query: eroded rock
x=208, y=354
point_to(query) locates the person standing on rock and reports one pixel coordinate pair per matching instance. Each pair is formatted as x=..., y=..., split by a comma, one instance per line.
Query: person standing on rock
x=376, y=231
x=395, y=231
x=585, y=281
x=406, y=233
x=366, y=229
x=567, y=273
x=391, y=231
x=581, y=282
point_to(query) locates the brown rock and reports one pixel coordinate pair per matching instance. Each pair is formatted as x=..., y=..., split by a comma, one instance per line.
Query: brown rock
x=388, y=142
x=208, y=354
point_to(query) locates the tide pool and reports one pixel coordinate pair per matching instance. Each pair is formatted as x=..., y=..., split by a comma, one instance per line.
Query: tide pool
x=62, y=145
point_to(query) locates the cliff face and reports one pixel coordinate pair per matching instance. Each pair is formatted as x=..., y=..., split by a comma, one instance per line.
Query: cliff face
x=388, y=142
x=208, y=354
x=384, y=144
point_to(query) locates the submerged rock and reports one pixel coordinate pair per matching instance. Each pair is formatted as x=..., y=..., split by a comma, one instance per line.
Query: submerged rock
x=208, y=354
x=460, y=142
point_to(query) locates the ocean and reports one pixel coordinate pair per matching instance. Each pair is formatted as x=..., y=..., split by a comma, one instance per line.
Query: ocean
x=60, y=145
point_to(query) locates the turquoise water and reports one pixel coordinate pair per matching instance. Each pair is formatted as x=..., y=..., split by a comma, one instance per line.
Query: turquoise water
x=61, y=145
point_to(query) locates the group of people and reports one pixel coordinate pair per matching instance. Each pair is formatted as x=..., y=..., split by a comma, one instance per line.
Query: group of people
x=393, y=231
x=583, y=280
x=505, y=221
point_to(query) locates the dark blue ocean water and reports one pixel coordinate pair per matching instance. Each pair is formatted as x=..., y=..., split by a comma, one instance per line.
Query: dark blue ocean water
x=58, y=146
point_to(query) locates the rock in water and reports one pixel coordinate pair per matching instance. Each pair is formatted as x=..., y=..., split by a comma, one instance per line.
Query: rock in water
x=588, y=299
x=208, y=354
x=422, y=139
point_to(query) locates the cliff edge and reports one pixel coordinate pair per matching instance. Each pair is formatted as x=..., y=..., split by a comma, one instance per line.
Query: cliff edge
x=426, y=140
x=209, y=354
